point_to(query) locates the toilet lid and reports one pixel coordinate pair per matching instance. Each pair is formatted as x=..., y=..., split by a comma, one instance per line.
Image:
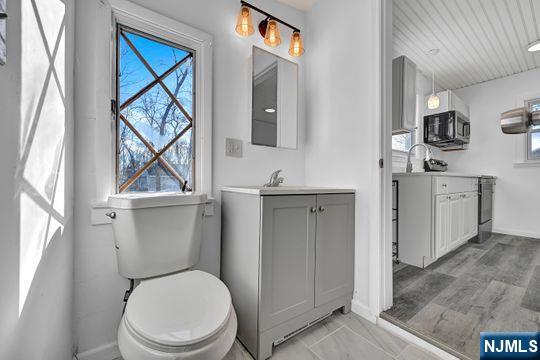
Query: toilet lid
x=179, y=309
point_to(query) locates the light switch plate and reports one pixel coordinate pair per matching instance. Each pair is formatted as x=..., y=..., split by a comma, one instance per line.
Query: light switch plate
x=233, y=147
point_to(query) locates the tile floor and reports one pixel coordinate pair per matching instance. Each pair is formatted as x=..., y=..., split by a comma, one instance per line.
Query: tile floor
x=341, y=337
x=493, y=286
x=347, y=337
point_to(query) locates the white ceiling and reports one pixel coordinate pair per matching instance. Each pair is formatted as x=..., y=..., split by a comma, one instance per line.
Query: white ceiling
x=479, y=40
x=303, y=5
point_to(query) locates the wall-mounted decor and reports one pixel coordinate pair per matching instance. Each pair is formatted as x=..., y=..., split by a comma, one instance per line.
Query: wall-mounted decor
x=3, y=17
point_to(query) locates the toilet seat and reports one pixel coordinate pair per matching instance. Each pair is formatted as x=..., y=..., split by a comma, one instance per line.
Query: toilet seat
x=178, y=312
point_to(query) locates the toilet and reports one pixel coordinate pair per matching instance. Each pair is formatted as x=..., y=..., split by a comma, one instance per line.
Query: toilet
x=175, y=312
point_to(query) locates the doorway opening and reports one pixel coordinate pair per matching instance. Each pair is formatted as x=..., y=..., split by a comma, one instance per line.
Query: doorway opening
x=454, y=273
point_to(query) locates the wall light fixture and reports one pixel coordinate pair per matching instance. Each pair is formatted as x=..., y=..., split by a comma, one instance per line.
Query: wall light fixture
x=268, y=28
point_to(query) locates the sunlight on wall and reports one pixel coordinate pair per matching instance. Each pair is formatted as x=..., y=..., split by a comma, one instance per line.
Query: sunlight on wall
x=41, y=154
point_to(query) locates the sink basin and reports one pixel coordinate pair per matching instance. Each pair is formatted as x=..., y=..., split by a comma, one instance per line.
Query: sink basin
x=285, y=190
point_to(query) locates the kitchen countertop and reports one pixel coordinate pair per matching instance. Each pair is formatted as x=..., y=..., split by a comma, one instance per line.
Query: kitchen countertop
x=285, y=190
x=434, y=173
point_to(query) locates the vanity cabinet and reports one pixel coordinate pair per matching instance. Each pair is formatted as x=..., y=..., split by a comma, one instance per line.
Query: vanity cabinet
x=287, y=261
x=287, y=258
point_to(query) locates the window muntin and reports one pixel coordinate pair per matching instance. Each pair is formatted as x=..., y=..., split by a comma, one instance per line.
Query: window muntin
x=533, y=137
x=155, y=124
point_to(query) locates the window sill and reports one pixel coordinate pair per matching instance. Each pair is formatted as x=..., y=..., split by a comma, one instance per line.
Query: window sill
x=98, y=209
x=525, y=164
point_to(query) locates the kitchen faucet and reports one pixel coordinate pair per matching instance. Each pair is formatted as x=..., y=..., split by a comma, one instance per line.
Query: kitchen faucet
x=274, y=179
x=429, y=155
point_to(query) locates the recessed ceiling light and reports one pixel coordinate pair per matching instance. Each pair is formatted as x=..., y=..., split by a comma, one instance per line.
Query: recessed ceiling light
x=270, y=110
x=534, y=46
x=433, y=52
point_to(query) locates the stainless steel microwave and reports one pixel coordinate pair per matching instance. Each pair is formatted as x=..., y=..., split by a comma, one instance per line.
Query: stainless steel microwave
x=450, y=129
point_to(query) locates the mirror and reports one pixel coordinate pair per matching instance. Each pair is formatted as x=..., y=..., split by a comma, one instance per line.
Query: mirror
x=274, y=105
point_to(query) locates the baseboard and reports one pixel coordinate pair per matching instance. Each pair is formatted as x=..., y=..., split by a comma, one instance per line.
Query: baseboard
x=362, y=310
x=517, y=233
x=413, y=339
x=104, y=352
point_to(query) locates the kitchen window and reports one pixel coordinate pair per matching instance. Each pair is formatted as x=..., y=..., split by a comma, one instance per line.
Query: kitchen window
x=402, y=142
x=533, y=137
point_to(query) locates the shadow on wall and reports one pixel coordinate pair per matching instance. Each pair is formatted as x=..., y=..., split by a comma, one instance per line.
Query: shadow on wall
x=43, y=198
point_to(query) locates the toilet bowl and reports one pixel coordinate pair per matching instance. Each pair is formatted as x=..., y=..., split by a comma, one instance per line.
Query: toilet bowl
x=186, y=315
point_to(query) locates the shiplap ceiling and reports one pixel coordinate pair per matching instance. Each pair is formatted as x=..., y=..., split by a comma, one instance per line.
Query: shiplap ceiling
x=479, y=40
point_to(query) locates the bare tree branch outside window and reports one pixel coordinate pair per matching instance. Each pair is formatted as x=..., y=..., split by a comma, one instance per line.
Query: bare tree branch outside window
x=155, y=121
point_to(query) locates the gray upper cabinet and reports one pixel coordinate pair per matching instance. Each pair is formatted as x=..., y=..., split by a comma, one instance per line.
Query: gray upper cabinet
x=403, y=95
x=334, y=247
x=287, y=259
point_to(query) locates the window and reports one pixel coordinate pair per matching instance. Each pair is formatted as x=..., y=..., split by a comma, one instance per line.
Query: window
x=155, y=92
x=533, y=137
x=402, y=142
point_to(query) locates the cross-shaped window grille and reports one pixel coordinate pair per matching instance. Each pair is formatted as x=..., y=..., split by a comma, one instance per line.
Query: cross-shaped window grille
x=155, y=97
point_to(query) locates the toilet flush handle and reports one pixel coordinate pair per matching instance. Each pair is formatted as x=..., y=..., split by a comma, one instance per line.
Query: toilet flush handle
x=111, y=214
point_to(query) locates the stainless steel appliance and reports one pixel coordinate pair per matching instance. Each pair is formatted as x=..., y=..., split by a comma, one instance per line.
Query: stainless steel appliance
x=449, y=130
x=519, y=121
x=486, y=188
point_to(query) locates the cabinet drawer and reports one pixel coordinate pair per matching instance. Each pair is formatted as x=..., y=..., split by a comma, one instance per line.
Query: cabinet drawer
x=451, y=185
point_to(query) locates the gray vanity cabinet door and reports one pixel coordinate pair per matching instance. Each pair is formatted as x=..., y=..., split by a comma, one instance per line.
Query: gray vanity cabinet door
x=334, y=249
x=287, y=258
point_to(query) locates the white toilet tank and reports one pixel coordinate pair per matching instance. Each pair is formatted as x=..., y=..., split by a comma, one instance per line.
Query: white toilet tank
x=156, y=233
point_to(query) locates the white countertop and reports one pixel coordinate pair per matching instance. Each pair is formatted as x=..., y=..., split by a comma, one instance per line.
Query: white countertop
x=435, y=173
x=286, y=190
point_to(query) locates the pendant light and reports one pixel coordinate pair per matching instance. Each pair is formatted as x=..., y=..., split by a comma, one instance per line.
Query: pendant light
x=534, y=46
x=244, y=24
x=296, y=48
x=433, y=100
x=272, y=37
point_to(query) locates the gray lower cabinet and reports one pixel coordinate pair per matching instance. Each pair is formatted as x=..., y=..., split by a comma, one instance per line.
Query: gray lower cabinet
x=334, y=247
x=287, y=260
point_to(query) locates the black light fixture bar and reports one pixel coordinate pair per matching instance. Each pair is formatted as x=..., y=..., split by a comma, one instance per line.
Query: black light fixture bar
x=3, y=15
x=244, y=3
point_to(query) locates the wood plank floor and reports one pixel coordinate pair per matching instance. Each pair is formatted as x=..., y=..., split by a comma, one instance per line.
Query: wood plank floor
x=493, y=286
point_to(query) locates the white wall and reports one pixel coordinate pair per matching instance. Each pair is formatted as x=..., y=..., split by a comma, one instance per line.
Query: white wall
x=36, y=196
x=343, y=130
x=517, y=198
x=98, y=287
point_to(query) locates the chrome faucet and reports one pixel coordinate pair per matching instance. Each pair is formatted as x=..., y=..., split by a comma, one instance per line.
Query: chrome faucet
x=429, y=155
x=275, y=180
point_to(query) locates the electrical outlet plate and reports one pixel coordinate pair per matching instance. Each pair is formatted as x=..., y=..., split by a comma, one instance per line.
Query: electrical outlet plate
x=233, y=147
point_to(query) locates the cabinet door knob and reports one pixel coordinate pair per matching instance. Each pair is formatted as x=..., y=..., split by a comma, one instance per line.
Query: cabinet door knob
x=321, y=208
x=313, y=209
